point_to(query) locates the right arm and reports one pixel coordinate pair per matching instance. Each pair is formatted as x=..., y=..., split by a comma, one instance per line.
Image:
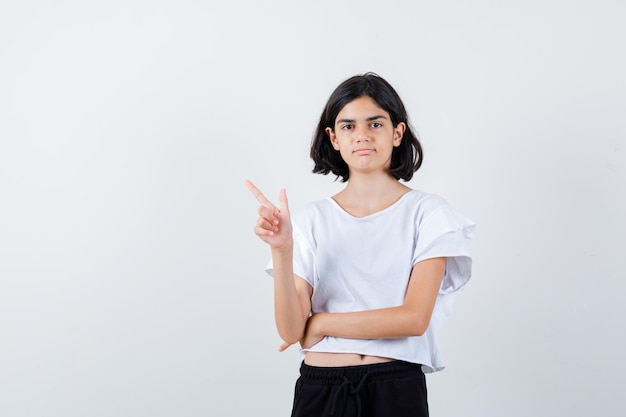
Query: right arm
x=292, y=294
x=292, y=298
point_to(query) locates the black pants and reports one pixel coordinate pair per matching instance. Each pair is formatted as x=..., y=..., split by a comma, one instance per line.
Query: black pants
x=389, y=389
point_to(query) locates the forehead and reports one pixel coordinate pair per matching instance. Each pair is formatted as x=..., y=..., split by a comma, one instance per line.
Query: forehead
x=361, y=108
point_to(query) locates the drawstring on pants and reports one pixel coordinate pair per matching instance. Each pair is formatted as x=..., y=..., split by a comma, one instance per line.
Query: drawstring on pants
x=346, y=388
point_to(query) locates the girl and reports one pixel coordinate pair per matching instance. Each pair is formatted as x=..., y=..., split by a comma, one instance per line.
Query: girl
x=363, y=279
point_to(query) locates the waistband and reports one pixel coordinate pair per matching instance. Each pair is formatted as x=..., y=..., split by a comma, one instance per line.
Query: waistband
x=376, y=371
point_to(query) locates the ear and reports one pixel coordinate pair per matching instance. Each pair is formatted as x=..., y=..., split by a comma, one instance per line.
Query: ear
x=398, y=133
x=333, y=138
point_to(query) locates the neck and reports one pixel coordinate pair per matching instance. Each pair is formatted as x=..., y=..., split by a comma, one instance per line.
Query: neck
x=370, y=186
x=367, y=194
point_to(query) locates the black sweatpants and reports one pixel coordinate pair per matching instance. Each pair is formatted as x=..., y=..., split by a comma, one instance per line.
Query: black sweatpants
x=389, y=389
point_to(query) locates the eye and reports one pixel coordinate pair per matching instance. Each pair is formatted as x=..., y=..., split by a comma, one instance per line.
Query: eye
x=376, y=124
x=346, y=127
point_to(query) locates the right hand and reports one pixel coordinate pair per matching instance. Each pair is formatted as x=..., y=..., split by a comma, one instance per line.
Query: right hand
x=274, y=223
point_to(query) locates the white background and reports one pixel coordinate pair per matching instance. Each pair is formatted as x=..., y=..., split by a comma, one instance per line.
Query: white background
x=131, y=283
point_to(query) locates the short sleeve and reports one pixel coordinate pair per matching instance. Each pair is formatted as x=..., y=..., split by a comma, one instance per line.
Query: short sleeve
x=303, y=257
x=446, y=233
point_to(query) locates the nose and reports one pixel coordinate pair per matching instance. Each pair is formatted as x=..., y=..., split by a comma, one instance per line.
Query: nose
x=361, y=133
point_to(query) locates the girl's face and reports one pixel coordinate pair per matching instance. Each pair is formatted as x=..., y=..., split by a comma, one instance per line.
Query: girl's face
x=365, y=137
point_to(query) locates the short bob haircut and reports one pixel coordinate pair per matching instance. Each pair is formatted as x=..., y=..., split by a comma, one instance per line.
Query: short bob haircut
x=406, y=159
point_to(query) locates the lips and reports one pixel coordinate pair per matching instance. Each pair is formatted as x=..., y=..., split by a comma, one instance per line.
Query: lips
x=364, y=151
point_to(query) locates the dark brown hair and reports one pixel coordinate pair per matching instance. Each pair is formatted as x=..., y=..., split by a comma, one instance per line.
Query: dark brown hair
x=406, y=159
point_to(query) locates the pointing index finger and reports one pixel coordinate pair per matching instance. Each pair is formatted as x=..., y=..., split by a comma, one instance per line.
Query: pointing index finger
x=258, y=194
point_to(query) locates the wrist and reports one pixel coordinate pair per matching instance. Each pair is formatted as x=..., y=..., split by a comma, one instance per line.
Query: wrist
x=286, y=249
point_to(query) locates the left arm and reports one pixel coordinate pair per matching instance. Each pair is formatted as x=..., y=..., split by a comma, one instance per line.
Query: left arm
x=410, y=319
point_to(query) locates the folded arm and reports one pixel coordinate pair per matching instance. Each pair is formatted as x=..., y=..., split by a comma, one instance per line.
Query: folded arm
x=410, y=319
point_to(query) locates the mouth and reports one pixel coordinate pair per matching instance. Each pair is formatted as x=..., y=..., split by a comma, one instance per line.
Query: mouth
x=363, y=151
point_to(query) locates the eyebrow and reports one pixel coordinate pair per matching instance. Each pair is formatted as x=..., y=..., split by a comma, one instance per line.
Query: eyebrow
x=369, y=119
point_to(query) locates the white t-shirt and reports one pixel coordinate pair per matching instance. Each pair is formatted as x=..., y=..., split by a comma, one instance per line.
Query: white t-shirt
x=364, y=263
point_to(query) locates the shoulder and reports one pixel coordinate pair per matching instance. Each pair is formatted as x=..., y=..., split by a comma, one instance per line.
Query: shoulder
x=423, y=197
x=312, y=209
x=311, y=213
x=434, y=215
x=431, y=212
x=424, y=204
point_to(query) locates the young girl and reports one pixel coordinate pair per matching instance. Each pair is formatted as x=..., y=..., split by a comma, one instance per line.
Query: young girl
x=363, y=279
